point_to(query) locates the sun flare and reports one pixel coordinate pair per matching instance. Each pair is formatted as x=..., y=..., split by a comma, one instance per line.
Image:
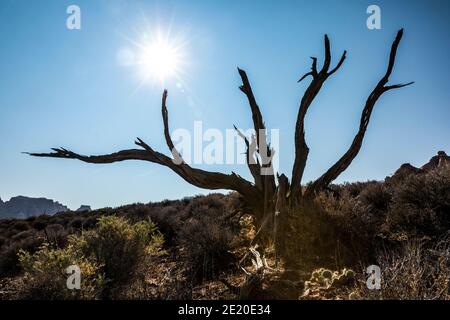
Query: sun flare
x=159, y=60
x=157, y=57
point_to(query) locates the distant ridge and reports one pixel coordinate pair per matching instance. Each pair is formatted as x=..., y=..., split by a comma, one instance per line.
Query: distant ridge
x=22, y=207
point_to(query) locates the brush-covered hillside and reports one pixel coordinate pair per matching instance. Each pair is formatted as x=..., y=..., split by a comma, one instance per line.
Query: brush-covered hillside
x=202, y=247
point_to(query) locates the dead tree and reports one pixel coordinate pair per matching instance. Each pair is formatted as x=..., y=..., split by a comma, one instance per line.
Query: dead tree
x=265, y=194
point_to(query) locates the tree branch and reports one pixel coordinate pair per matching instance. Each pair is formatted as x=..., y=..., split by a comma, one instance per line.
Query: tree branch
x=197, y=177
x=258, y=122
x=313, y=71
x=301, y=148
x=264, y=150
x=341, y=61
x=165, y=115
x=253, y=165
x=327, y=60
x=397, y=86
x=342, y=164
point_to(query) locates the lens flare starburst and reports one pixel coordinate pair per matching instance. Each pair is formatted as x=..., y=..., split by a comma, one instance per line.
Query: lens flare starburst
x=157, y=57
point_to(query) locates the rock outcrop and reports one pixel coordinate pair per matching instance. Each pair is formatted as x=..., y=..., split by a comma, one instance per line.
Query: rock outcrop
x=83, y=208
x=21, y=207
x=440, y=160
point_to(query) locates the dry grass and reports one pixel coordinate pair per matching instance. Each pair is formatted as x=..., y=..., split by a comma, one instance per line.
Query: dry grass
x=416, y=271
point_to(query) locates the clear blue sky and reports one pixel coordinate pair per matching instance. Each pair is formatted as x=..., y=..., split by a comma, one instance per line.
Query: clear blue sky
x=66, y=88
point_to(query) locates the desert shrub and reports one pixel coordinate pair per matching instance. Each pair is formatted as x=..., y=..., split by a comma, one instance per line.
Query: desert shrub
x=20, y=225
x=376, y=198
x=40, y=223
x=365, y=213
x=352, y=188
x=56, y=234
x=168, y=220
x=206, y=243
x=137, y=212
x=108, y=257
x=23, y=235
x=206, y=235
x=9, y=262
x=309, y=239
x=89, y=223
x=76, y=223
x=417, y=270
x=168, y=281
x=421, y=205
x=3, y=240
x=119, y=246
x=212, y=202
x=343, y=225
x=46, y=277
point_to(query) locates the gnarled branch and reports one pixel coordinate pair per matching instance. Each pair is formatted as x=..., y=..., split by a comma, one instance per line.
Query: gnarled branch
x=318, y=78
x=258, y=122
x=252, y=162
x=165, y=115
x=197, y=177
x=263, y=148
x=342, y=164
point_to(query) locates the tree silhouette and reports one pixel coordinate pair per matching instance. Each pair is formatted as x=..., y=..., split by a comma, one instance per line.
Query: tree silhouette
x=267, y=194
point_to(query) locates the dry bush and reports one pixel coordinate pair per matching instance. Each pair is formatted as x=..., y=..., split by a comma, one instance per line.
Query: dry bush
x=9, y=261
x=90, y=223
x=421, y=205
x=76, y=224
x=310, y=239
x=361, y=212
x=168, y=219
x=19, y=225
x=119, y=247
x=57, y=235
x=158, y=278
x=40, y=223
x=370, y=215
x=207, y=237
x=206, y=247
x=418, y=270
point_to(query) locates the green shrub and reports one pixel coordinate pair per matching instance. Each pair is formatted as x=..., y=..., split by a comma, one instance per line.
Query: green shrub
x=46, y=278
x=119, y=246
x=108, y=257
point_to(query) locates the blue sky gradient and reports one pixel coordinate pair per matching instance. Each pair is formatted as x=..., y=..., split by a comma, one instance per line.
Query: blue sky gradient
x=63, y=87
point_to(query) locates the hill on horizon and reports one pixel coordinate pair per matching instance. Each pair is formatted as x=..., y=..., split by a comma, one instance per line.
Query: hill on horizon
x=22, y=207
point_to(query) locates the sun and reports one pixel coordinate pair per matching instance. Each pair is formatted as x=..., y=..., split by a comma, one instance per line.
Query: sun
x=157, y=57
x=156, y=54
x=159, y=60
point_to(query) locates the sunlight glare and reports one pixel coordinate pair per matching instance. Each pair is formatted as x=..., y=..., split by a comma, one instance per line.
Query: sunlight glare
x=159, y=59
